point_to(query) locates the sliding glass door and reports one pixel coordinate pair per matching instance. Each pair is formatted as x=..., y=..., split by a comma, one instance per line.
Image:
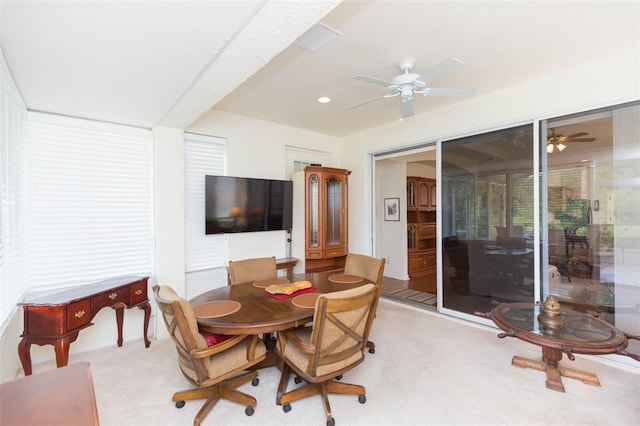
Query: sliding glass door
x=488, y=220
x=593, y=213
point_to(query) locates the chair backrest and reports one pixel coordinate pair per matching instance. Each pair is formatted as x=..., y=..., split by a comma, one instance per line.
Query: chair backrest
x=259, y=268
x=183, y=327
x=364, y=266
x=341, y=325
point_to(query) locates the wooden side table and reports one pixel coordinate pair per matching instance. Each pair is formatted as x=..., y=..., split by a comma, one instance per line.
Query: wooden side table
x=63, y=396
x=287, y=264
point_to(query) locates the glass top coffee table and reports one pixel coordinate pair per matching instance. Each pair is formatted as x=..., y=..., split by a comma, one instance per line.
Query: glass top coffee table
x=563, y=331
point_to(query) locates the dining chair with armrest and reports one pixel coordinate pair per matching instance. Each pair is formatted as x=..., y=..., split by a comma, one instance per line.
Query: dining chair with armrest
x=213, y=363
x=369, y=268
x=332, y=346
x=259, y=268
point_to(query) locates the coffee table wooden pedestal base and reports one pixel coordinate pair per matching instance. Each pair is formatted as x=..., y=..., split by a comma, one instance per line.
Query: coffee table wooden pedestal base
x=549, y=364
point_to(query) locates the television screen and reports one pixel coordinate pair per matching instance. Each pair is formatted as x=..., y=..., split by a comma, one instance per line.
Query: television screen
x=236, y=204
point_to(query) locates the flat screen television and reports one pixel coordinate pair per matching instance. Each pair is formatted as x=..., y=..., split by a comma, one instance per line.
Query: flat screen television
x=237, y=204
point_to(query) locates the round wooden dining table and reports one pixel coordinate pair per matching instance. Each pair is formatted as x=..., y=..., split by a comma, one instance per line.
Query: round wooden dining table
x=261, y=313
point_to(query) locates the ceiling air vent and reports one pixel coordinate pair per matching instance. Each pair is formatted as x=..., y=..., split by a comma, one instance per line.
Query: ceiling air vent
x=317, y=37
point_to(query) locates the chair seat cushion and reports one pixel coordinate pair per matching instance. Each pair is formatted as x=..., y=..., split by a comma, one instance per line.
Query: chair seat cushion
x=213, y=339
x=300, y=359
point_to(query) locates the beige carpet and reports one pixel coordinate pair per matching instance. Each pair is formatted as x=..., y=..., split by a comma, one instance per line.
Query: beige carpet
x=428, y=369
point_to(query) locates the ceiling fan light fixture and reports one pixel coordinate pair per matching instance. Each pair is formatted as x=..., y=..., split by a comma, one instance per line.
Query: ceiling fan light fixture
x=561, y=147
x=549, y=148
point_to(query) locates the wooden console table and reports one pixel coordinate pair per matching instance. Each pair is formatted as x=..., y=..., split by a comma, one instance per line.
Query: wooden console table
x=57, y=318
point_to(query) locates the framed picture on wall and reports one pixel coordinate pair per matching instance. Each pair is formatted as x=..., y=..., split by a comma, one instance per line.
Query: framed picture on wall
x=392, y=209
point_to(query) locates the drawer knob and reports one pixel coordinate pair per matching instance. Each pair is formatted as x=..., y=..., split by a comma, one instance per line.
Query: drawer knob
x=113, y=295
x=138, y=292
x=79, y=314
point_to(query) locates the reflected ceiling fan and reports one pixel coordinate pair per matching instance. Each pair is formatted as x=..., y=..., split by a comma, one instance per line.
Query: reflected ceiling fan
x=407, y=84
x=557, y=141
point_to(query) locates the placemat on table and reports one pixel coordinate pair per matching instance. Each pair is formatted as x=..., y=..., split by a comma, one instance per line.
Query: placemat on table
x=306, y=300
x=270, y=281
x=345, y=278
x=216, y=308
x=286, y=296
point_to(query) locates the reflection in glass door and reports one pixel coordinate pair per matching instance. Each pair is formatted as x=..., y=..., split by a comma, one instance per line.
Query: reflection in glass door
x=593, y=214
x=487, y=220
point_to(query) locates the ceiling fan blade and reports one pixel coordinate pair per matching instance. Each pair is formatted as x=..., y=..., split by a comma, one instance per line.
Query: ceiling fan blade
x=581, y=140
x=575, y=135
x=407, y=108
x=372, y=80
x=449, y=91
x=366, y=102
x=438, y=71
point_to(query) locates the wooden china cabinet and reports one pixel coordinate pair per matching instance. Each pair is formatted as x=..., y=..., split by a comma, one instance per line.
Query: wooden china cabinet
x=326, y=244
x=421, y=226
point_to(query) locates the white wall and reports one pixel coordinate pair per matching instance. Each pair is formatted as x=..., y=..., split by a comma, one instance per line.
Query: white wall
x=255, y=148
x=606, y=81
x=390, y=179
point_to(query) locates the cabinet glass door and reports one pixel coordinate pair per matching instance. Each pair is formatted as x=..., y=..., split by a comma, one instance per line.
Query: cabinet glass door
x=314, y=211
x=333, y=206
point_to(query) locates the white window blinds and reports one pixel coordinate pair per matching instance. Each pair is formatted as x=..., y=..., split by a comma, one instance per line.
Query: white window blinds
x=203, y=155
x=90, y=200
x=13, y=119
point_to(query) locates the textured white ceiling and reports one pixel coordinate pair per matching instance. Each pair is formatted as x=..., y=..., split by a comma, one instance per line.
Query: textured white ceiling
x=146, y=63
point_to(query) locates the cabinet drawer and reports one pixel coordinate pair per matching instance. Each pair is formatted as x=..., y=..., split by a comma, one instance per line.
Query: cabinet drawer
x=138, y=292
x=338, y=251
x=428, y=230
x=110, y=297
x=78, y=314
x=314, y=255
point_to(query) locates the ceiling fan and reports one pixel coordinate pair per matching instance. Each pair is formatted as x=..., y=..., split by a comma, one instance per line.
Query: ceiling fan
x=558, y=141
x=407, y=84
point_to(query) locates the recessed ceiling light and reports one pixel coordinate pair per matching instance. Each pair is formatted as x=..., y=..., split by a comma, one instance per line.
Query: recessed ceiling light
x=324, y=99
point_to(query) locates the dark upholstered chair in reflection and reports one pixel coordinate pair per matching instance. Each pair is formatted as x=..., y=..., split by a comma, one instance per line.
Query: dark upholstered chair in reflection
x=369, y=268
x=259, y=268
x=213, y=363
x=331, y=347
x=456, y=253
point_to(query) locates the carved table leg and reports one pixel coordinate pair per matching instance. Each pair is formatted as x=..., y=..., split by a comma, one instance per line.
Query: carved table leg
x=119, y=319
x=147, y=313
x=61, y=346
x=552, y=357
x=24, y=348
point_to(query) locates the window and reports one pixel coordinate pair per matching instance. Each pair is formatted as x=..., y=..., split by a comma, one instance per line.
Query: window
x=203, y=155
x=89, y=195
x=13, y=118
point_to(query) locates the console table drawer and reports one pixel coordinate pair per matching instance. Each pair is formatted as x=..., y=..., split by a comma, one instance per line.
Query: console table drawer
x=78, y=314
x=110, y=297
x=138, y=292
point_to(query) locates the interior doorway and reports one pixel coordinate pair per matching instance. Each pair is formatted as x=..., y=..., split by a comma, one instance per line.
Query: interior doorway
x=408, y=240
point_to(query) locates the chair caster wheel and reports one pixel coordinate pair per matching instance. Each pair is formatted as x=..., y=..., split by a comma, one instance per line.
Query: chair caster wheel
x=255, y=381
x=286, y=407
x=362, y=399
x=331, y=422
x=372, y=350
x=297, y=380
x=179, y=404
x=249, y=411
x=339, y=377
